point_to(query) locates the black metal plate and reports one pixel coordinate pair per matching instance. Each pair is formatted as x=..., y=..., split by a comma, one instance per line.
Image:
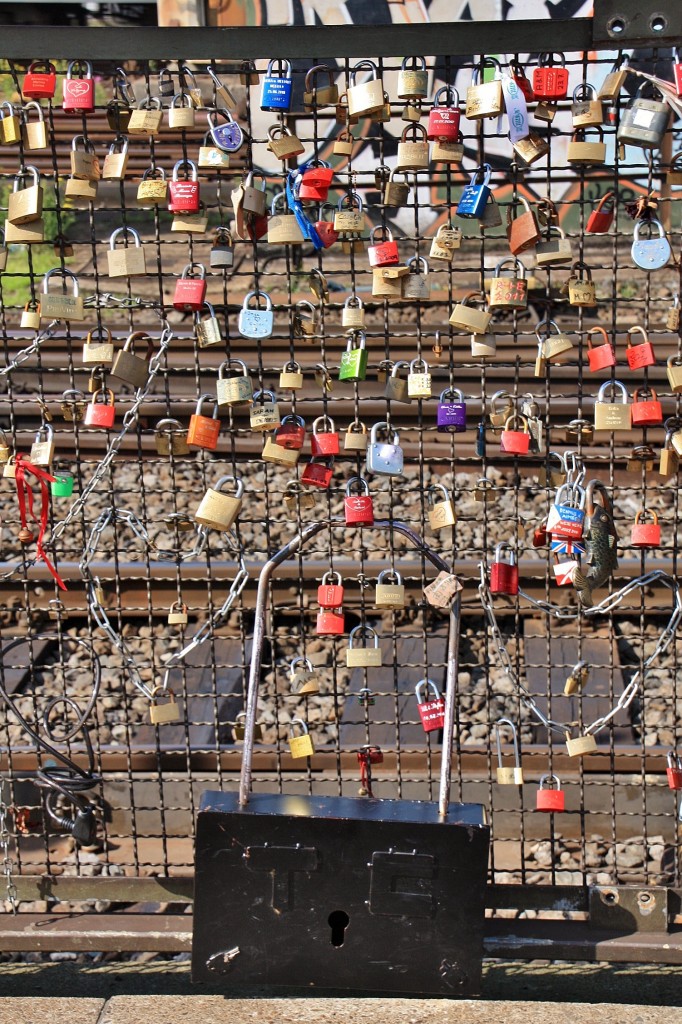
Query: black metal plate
x=269, y=876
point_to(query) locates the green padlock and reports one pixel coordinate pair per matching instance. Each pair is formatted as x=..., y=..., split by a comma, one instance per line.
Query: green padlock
x=62, y=487
x=354, y=359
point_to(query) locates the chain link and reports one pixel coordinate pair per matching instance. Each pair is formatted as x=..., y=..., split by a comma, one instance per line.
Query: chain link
x=22, y=356
x=5, y=838
x=607, y=605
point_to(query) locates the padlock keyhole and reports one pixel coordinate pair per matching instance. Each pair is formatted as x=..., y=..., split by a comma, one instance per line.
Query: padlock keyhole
x=338, y=921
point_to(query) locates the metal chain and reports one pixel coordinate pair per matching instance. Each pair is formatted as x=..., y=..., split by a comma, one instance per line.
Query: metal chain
x=22, y=356
x=607, y=605
x=5, y=837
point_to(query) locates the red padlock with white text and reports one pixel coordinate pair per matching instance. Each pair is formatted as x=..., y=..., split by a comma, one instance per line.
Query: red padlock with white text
x=550, y=796
x=504, y=572
x=444, y=116
x=385, y=252
x=431, y=711
x=601, y=356
x=79, y=93
x=643, y=534
x=101, y=411
x=330, y=595
x=183, y=193
x=358, y=509
x=550, y=82
x=40, y=81
x=318, y=474
x=647, y=411
x=190, y=291
x=324, y=442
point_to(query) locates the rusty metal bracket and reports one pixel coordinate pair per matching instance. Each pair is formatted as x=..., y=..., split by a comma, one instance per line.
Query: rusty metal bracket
x=629, y=908
x=637, y=22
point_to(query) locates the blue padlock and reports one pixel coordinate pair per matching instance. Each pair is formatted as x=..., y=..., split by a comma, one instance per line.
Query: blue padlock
x=276, y=92
x=475, y=196
x=227, y=136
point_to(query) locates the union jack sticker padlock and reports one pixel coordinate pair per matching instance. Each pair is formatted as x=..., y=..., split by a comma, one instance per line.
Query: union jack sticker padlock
x=567, y=516
x=431, y=712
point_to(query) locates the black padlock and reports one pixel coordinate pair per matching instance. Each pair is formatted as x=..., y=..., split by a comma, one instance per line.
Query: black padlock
x=221, y=256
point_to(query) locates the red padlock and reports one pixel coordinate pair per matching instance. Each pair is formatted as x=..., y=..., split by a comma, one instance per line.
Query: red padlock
x=674, y=770
x=646, y=535
x=79, y=93
x=550, y=83
x=550, y=799
x=431, y=712
x=519, y=76
x=642, y=354
x=384, y=253
x=504, y=575
x=203, y=430
x=515, y=442
x=315, y=182
x=358, y=508
x=444, y=117
x=330, y=623
x=101, y=411
x=330, y=595
x=40, y=81
x=326, y=441
x=677, y=72
x=317, y=474
x=647, y=411
x=601, y=218
x=291, y=432
x=183, y=193
x=325, y=228
x=602, y=356
x=190, y=291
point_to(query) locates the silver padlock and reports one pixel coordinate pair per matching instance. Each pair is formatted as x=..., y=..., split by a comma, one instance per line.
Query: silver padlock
x=384, y=458
x=256, y=323
x=651, y=253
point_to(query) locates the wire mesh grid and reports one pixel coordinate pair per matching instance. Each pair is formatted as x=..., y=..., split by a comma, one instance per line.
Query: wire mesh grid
x=621, y=819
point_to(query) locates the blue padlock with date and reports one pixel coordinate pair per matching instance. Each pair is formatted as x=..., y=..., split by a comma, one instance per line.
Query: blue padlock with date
x=276, y=91
x=475, y=196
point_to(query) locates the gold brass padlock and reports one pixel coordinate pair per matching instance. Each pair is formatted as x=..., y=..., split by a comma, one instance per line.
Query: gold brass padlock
x=177, y=614
x=508, y=775
x=441, y=510
x=296, y=497
x=363, y=657
x=162, y=714
x=390, y=595
x=239, y=729
x=217, y=509
x=300, y=746
x=581, y=745
x=170, y=438
x=278, y=455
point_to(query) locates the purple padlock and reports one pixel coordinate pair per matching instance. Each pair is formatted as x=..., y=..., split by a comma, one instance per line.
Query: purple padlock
x=451, y=416
x=227, y=136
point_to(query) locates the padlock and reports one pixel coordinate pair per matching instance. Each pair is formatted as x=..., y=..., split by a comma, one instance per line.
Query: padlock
x=566, y=519
x=291, y=376
x=153, y=188
x=451, y=415
x=315, y=180
x=484, y=99
x=553, y=345
x=384, y=253
x=644, y=122
x=300, y=746
x=550, y=82
x=358, y=509
x=518, y=74
x=387, y=282
x=40, y=81
x=237, y=387
x=368, y=97
x=256, y=323
x=78, y=92
x=344, y=143
x=396, y=193
x=264, y=413
x=276, y=87
x=302, y=678
x=330, y=622
x=254, y=199
x=283, y=143
x=316, y=96
x=290, y=434
x=72, y=406
x=523, y=232
x=34, y=133
x=101, y=411
x=354, y=360
x=580, y=745
x=416, y=282
x=211, y=157
x=190, y=288
x=509, y=292
x=610, y=88
x=672, y=320
x=431, y=711
x=419, y=379
x=129, y=367
x=183, y=193
x=643, y=534
x=25, y=204
x=228, y=135
x=277, y=454
x=203, y=431
x=447, y=240
x=318, y=473
x=42, y=449
x=9, y=471
x=646, y=408
x=586, y=110
x=324, y=440
x=218, y=510
x=356, y=437
x=581, y=288
x=170, y=438
x=612, y=415
x=10, y=126
x=674, y=370
x=62, y=485
x=163, y=714
x=363, y=657
x=223, y=93
x=641, y=354
x=80, y=192
x=413, y=149
x=61, y=307
x=207, y=330
x=653, y=252
x=444, y=116
x=330, y=594
x=84, y=162
x=191, y=223
x=283, y=228
x=181, y=112
x=306, y=319
x=550, y=796
x=674, y=770
x=498, y=417
x=512, y=440
x=441, y=509
x=511, y=775
x=147, y=118
x=116, y=161
x=491, y=216
x=467, y=317
x=642, y=457
x=553, y=252
x=353, y=313
x=603, y=355
x=390, y=595
x=349, y=218
x=30, y=317
x=177, y=614
x=413, y=79
x=531, y=148
x=129, y=261
x=383, y=458
x=581, y=152
x=669, y=462
x=239, y=729
x=475, y=195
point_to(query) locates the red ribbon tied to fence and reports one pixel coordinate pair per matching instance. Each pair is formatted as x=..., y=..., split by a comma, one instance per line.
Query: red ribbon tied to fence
x=25, y=498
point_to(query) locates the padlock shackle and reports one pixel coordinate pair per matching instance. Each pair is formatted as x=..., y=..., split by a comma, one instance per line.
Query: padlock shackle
x=361, y=483
x=614, y=386
x=551, y=778
x=422, y=690
x=452, y=654
x=300, y=660
x=451, y=97
x=385, y=573
x=515, y=741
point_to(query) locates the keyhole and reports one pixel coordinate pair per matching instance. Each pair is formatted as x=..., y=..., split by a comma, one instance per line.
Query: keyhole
x=338, y=922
